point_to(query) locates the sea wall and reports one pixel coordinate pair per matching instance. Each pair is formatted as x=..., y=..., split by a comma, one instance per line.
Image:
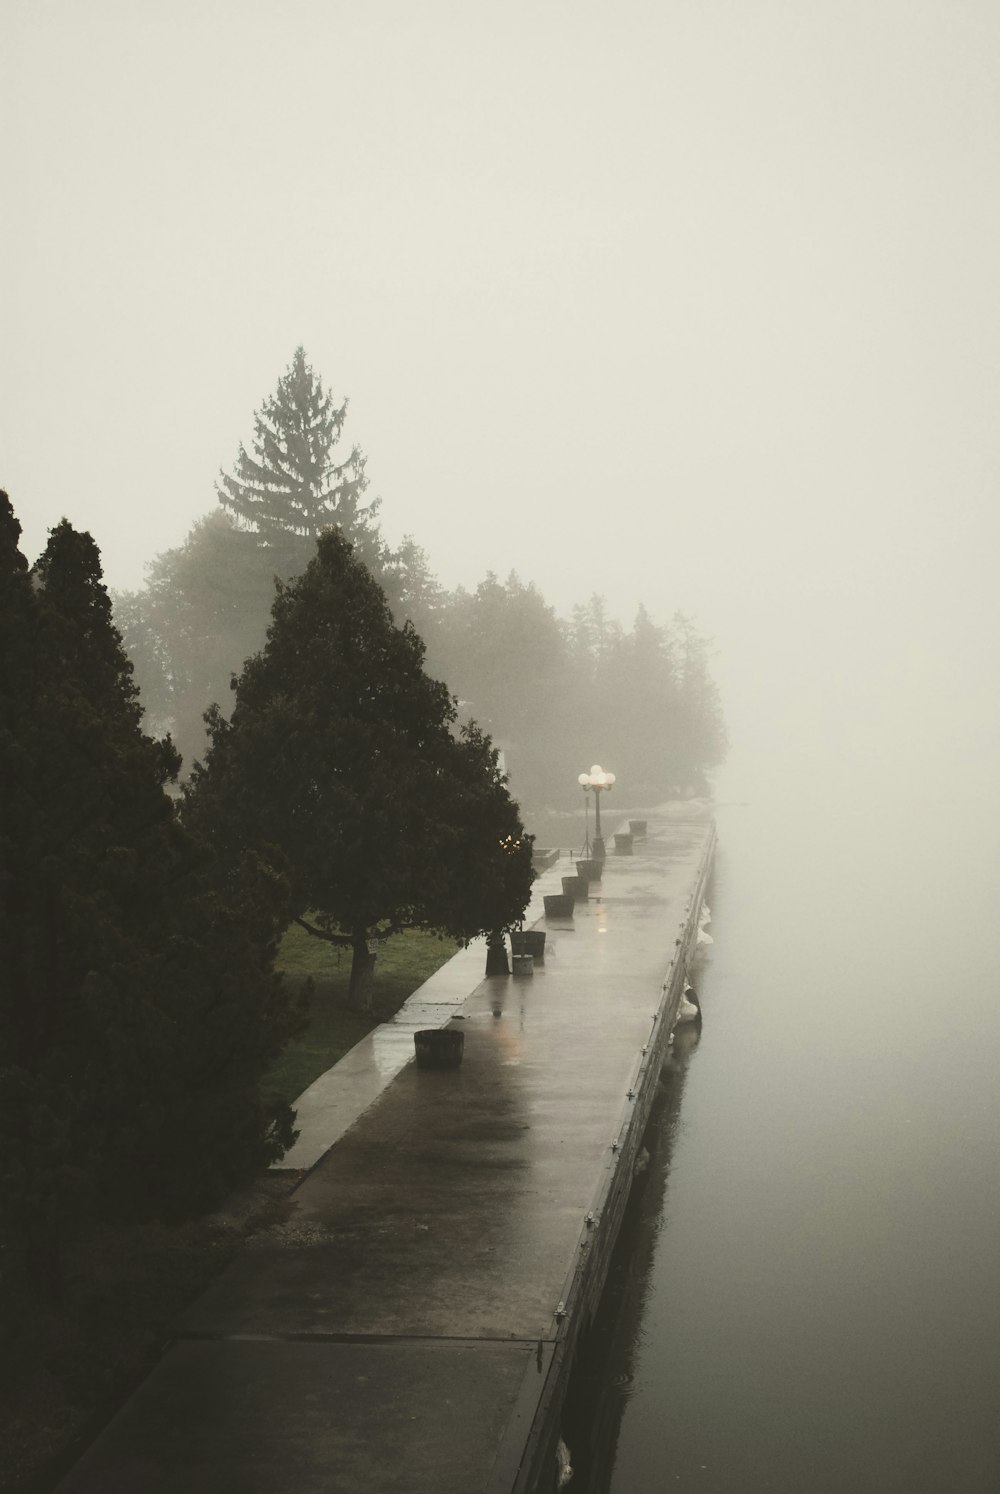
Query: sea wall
x=586, y=1280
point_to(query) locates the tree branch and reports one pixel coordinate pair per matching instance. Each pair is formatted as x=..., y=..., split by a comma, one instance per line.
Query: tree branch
x=343, y=939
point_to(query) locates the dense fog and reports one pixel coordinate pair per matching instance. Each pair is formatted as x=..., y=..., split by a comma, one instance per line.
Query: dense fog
x=647, y=355
x=693, y=306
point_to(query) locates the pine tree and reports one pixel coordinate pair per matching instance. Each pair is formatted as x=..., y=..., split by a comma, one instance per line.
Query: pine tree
x=292, y=486
x=341, y=752
x=206, y=605
x=138, y=1004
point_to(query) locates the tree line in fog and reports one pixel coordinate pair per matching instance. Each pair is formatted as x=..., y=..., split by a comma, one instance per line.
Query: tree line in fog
x=548, y=690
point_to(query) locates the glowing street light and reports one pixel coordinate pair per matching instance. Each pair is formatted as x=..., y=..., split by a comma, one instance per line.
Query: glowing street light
x=597, y=782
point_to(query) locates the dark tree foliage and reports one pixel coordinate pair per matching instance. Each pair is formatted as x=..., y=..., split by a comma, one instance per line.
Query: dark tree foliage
x=341, y=752
x=138, y=1003
x=207, y=603
x=206, y=608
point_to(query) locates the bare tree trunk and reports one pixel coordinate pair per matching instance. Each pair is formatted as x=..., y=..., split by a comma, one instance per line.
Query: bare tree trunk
x=361, y=993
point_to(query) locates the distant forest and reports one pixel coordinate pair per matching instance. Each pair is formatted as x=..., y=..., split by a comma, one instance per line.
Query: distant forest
x=554, y=693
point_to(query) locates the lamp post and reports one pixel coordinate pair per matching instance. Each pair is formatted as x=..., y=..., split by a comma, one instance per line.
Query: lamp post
x=588, y=849
x=597, y=782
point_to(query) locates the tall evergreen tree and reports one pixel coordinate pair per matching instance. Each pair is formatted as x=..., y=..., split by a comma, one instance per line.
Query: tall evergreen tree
x=138, y=1004
x=206, y=604
x=292, y=485
x=341, y=752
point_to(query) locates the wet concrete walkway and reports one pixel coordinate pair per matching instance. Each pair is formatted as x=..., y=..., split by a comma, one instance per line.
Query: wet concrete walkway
x=399, y=1332
x=335, y=1100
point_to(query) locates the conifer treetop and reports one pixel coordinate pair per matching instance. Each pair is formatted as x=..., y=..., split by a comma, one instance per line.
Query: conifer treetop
x=292, y=483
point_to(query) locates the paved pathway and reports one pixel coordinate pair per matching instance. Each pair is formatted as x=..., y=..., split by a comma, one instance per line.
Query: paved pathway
x=335, y=1100
x=396, y=1333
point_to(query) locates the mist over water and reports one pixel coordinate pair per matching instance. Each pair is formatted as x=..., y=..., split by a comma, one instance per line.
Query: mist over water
x=821, y=1300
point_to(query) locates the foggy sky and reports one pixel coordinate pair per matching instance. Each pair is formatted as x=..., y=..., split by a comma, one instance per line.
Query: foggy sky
x=693, y=303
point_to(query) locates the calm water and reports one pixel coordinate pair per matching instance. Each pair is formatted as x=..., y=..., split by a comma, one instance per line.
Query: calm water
x=811, y=1298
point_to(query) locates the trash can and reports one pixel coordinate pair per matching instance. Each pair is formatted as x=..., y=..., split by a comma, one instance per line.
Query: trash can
x=529, y=941
x=558, y=905
x=439, y=1047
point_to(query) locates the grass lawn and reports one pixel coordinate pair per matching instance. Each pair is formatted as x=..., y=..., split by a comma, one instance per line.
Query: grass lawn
x=404, y=963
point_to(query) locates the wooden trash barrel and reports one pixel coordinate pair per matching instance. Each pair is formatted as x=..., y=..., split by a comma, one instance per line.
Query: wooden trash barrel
x=439, y=1047
x=529, y=941
x=558, y=905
